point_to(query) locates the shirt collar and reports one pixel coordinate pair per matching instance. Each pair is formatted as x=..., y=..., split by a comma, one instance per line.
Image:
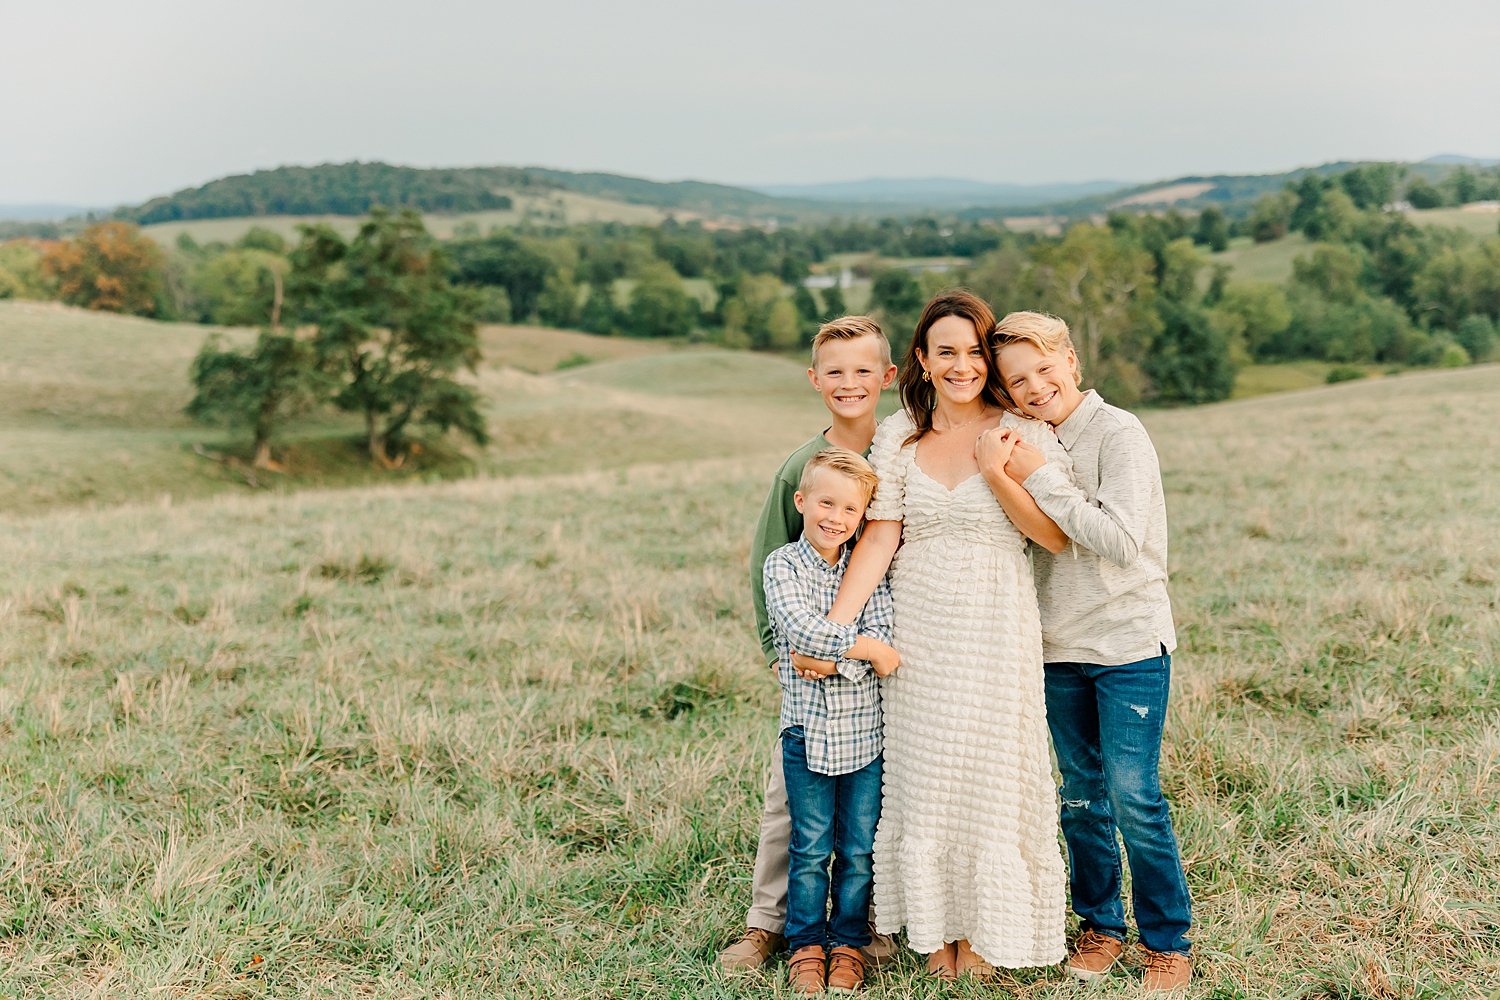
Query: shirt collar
x=1069, y=429
x=810, y=554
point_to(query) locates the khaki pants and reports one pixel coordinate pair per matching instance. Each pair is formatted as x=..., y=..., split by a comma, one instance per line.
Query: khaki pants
x=768, y=887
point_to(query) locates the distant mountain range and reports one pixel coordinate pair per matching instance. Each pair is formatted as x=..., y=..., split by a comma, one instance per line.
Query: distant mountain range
x=1454, y=159
x=351, y=188
x=42, y=212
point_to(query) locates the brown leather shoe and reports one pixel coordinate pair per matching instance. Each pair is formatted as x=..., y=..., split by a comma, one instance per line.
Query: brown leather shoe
x=846, y=970
x=751, y=951
x=1094, y=954
x=808, y=970
x=881, y=949
x=1165, y=970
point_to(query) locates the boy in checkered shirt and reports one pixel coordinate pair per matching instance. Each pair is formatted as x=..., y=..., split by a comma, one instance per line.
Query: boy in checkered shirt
x=830, y=724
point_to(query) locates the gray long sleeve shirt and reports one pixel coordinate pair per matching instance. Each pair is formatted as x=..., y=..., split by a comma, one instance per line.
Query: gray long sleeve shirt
x=1104, y=598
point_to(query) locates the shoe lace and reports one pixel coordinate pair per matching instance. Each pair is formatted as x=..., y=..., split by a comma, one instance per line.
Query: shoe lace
x=1161, y=961
x=760, y=935
x=1094, y=943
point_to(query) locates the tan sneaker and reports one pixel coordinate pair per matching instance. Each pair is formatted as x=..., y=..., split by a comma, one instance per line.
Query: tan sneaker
x=1094, y=954
x=751, y=951
x=1165, y=970
x=807, y=970
x=846, y=970
x=881, y=949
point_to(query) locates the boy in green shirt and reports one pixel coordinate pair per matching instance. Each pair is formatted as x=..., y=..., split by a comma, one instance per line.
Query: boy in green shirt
x=851, y=364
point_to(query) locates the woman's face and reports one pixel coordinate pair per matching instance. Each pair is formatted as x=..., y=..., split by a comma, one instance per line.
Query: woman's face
x=954, y=360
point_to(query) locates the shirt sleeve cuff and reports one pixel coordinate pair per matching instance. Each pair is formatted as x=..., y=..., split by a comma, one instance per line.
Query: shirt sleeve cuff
x=1044, y=480
x=853, y=670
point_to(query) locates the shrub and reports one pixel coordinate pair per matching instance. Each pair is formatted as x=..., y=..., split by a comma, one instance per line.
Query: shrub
x=1343, y=373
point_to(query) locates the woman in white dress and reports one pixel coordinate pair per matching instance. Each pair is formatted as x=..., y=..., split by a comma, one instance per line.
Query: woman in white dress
x=966, y=852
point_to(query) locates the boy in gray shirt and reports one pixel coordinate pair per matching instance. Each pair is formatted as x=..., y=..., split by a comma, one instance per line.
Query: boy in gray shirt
x=1107, y=639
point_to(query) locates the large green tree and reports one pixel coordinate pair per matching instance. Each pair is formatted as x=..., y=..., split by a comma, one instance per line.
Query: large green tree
x=1103, y=285
x=660, y=305
x=257, y=388
x=391, y=329
x=1190, y=360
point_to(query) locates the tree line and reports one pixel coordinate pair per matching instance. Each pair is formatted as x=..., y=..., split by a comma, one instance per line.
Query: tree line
x=1157, y=318
x=331, y=189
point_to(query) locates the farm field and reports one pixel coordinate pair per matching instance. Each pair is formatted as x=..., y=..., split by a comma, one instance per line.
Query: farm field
x=1470, y=220
x=553, y=207
x=506, y=736
x=1270, y=261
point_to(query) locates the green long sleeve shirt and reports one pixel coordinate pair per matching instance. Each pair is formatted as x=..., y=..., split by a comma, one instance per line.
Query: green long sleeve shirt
x=780, y=523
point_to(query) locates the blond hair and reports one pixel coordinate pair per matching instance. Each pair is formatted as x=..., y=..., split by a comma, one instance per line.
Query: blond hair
x=845, y=463
x=1043, y=331
x=850, y=328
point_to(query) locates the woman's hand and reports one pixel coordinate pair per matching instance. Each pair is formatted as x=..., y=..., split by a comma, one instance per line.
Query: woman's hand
x=993, y=449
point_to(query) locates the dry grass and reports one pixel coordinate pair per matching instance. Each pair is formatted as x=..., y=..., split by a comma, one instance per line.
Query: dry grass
x=1167, y=194
x=538, y=349
x=504, y=737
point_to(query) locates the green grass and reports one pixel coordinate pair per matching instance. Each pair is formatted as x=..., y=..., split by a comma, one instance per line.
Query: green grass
x=507, y=736
x=540, y=349
x=1286, y=376
x=1478, y=223
x=91, y=412
x=1270, y=261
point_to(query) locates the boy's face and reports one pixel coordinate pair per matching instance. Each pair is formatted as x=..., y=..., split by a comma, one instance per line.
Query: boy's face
x=1043, y=386
x=849, y=376
x=832, y=509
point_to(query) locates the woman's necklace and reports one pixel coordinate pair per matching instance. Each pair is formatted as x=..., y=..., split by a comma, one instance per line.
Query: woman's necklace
x=959, y=426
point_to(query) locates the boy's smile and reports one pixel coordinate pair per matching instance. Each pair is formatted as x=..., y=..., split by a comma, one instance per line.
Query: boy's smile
x=849, y=376
x=1043, y=386
x=832, y=510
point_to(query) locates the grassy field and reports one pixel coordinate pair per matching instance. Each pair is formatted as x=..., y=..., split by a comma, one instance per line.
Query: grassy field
x=1471, y=221
x=1288, y=376
x=555, y=207
x=505, y=736
x=90, y=412
x=1271, y=261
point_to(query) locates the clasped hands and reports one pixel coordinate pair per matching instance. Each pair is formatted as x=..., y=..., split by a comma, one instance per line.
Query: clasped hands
x=1000, y=451
x=883, y=661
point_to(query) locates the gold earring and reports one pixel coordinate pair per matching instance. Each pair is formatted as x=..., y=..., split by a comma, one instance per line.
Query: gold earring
x=926, y=375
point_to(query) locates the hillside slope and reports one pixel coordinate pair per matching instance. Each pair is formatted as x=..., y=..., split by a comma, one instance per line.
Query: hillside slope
x=508, y=737
x=352, y=189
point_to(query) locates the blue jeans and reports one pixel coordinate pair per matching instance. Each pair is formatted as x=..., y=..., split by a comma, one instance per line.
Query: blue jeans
x=832, y=816
x=1106, y=724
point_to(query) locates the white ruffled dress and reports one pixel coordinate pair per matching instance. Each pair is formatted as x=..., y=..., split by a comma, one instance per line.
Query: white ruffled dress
x=967, y=844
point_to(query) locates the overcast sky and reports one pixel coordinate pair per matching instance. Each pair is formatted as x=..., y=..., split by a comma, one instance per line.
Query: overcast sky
x=111, y=102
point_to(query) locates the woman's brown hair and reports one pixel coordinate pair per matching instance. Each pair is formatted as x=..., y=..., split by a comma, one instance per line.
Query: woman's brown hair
x=917, y=394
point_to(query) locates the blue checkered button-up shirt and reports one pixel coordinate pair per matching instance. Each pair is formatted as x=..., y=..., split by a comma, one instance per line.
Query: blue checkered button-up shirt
x=839, y=715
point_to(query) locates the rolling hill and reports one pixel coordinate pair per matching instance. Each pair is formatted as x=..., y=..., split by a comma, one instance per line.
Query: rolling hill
x=508, y=736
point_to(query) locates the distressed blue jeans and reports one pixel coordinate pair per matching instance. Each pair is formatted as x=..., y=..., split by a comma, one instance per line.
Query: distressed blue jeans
x=832, y=816
x=1106, y=723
